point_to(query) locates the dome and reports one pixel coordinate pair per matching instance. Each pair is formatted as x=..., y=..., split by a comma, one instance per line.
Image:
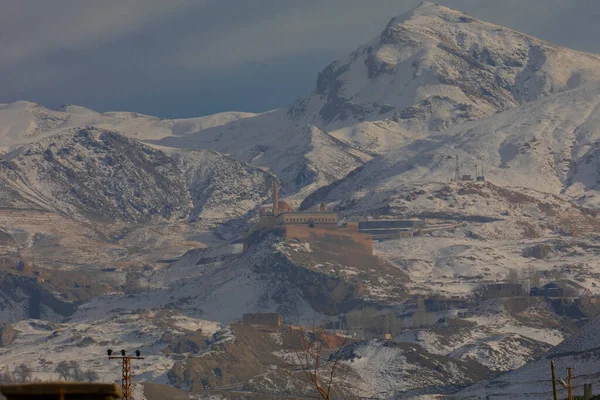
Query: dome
x=283, y=205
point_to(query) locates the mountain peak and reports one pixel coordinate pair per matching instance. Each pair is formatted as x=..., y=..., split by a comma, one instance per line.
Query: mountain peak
x=435, y=67
x=429, y=9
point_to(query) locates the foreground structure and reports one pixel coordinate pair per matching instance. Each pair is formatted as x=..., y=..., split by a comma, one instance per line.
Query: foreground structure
x=62, y=391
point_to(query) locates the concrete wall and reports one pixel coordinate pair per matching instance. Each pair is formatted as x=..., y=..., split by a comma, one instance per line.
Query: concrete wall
x=500, y=290
x=391, y=224
x=363, y=242
x=322, y=217
x=295, y=225
x=271, y=319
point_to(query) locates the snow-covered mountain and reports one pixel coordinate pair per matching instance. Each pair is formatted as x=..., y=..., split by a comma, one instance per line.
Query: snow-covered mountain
x=102, y=175
x=126, y=200
x=23, y=121
x=435, y=67
x=430, y=70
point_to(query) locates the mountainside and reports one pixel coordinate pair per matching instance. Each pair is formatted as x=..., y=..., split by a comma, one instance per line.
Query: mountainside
x=100, y=175
x=103, y=175
x=549, y=145
x=295, y=279
x=580, y=351
x=303, y=156
x=222, y=188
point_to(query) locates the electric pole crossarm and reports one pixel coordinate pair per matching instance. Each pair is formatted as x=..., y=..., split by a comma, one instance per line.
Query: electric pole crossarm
x=126, y=384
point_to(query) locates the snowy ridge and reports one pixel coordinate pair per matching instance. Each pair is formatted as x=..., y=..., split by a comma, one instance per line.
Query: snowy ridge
x=22, y=122
x=101, y=174
x=302, y=156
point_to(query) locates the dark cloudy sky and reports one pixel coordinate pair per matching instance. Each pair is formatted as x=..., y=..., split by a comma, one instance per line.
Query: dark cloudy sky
x=181, y=58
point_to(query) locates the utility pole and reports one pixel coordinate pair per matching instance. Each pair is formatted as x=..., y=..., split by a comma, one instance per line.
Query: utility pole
x=554, y=392
x=126, y=372
x=567, y=385
x=570, y=383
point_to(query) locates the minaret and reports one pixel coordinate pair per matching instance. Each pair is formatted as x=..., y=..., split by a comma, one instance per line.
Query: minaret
x=275, y=198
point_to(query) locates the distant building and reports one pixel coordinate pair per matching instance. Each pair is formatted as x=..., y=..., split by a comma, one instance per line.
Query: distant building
x=439, y=303
x=500, y=290
x=336, y=325
x=270, y=319
x=549, y=290
x=391, y=228
x=466, y=178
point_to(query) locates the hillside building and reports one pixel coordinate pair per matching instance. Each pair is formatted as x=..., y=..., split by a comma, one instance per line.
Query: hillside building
x=282, y=220
x=501, y=290
x=391, y=228
x=550, y=290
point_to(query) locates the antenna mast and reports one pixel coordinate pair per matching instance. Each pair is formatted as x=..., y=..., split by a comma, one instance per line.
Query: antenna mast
x=457, y=173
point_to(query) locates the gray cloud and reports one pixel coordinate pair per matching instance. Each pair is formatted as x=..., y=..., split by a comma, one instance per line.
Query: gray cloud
x=192, y=57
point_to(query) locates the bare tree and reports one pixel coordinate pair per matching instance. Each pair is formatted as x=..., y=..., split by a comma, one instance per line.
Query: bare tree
x=479, y=292
x=420, y=315
x=308, y=347
x=63, y=369
x=534, y=277
x=22, y=373
x=6, y=377
x=91, y=376
x=76, y=372
x=132, y=280
x=512, y=276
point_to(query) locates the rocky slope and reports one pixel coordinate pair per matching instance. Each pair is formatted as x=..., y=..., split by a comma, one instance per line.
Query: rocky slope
x=579, y=351
x=294, y=279
x=548, y=145
x=102, y=175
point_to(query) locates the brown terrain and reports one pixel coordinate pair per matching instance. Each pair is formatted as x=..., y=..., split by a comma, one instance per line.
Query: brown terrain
x=258, y=359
